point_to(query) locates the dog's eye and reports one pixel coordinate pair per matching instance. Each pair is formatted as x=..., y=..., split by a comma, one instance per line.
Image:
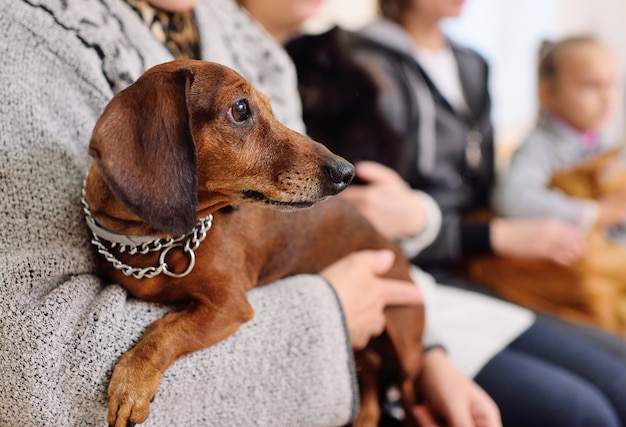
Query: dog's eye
x=240, y=110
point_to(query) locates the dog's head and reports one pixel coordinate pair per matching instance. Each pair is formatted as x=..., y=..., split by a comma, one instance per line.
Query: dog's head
x=340, y=101
x=192, y=136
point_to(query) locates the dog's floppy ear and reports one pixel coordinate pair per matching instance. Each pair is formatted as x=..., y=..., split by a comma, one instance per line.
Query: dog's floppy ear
x=145, y=150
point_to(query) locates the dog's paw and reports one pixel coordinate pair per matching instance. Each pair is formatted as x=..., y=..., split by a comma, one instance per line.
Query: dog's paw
x=132, y=388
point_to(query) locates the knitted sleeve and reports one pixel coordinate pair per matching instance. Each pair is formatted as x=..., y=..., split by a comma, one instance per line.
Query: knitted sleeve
x=62, y=329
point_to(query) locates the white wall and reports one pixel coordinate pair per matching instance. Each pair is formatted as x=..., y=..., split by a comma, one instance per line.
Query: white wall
x=508, y=34
x=348, y=13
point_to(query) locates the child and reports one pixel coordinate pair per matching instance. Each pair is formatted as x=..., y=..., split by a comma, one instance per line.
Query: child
x=577, y=92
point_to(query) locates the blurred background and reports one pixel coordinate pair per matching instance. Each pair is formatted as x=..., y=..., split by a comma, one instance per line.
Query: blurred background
x=508, y=34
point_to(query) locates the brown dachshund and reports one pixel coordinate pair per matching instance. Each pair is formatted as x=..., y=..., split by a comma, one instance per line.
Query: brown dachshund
x=191, y=152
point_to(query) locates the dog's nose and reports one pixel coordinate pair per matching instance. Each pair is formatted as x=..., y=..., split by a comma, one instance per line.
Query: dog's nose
x=340, y=173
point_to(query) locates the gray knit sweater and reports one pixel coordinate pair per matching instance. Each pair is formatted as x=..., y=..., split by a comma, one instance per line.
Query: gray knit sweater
x=61, y=328
x=523, y=189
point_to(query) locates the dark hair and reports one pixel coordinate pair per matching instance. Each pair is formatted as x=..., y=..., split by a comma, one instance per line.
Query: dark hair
x=551, y=53
x=393, y=9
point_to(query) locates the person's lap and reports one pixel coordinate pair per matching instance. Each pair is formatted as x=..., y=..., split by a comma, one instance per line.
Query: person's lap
x=547, y=377
x=608, y=342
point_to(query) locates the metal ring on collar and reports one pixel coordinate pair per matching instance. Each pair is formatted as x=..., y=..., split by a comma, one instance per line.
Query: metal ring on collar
x=163, y=263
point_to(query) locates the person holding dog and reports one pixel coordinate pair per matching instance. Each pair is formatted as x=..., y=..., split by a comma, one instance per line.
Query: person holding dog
x=62, y=328
x=532, y=370
x=577, y=93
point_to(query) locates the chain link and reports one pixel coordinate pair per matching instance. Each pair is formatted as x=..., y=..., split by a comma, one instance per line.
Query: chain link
x=191, y=243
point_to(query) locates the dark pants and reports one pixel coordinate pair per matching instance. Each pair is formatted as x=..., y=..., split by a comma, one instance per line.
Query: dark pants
x=547, y=377
x=597, y=337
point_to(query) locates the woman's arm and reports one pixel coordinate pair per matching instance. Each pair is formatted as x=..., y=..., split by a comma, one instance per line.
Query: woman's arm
x=62, y=329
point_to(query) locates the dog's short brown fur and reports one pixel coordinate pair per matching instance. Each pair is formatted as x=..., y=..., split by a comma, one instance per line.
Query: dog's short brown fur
x=192, y=138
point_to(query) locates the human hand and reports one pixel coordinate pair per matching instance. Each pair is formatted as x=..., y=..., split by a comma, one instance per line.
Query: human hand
x=364, y=294
x=387, y=201
x=547, y=239
x=451, y=397
x=612, y=209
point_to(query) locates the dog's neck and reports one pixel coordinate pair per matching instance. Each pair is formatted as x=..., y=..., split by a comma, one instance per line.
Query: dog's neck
x=106, y=241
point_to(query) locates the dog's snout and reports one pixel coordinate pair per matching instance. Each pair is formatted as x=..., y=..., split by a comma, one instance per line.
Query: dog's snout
x=340, y=173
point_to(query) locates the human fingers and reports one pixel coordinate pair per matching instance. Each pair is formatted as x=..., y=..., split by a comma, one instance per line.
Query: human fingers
x=567, y=256
x=565, y=244
x=376, y=261
x=566, y=252
x=367, y=319
x=390, y=291
x=485, y=411
x=459, y=414
x=424, y=416
x=487, y=419
x=564, y=259
x=397, y=292
x=358, y=285
x=355, y=194
x=374, y=172
x=379, y=260
x=363, y=329
x=471, y=407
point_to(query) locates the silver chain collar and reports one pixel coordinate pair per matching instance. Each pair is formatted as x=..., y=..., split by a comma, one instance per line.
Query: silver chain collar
x=145, y=244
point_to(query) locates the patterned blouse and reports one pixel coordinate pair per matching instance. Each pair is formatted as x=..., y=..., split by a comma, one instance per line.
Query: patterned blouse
x=178, y=31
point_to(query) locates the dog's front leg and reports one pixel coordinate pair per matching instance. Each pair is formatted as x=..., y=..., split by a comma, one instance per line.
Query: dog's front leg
x=405, y=329
x=368, y=366
x=138, y=373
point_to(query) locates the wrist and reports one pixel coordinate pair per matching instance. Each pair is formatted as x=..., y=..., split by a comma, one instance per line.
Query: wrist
x=434, y=356
x=433, y=361
x=588, y=215
x=431, y=225
x=434, y=347
x=414, y=216
x=498, y=235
